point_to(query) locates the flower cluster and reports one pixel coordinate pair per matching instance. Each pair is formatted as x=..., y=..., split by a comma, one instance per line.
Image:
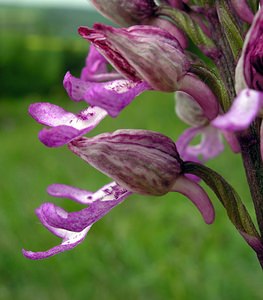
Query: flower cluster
x=218, y=93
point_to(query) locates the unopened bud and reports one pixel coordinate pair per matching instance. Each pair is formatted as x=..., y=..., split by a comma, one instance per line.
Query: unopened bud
x=143, y=162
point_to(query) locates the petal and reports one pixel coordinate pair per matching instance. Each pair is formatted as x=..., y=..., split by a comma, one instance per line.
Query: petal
x=69, y=241
x=211, y=144
x=188, y=110
x=75, y=87
x=232, y=141
x=197, y=195
x=114, y=96
x=73, y=227
x=96, y=68
x=242, y=112
x=65, y=125
x=133, y=50
x=95, y=64
x=171, y=28
x=184, y=141
x=201, y=93
x=66, y=191
x=109, y=196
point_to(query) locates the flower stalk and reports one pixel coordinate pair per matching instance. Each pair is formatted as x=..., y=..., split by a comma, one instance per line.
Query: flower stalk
x=250, y=149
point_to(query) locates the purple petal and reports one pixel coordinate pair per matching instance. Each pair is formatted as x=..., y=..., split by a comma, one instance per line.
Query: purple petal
x=75, y=87
x=65, y=125
x=232, y=141
x=114, y=96
x=109, y=196
x=66, y=191
x=188, y=110
x=184, y=141
x=70, y=241
x=96, y=68
x=211, y=144
x=95, y=64
x=133, y=50
x=197, y=195
x=242, y=112
x=73, y=227
x=201, y=93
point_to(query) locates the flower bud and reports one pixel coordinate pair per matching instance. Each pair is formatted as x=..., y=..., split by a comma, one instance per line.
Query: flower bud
x=249, y=71
x=143, y=162
x=134, y=52
x=125, y=13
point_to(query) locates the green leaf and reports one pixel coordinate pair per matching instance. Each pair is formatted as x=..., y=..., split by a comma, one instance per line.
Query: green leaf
x=253, y=4
x=190, y=27
x=236, y=210
x=230, y=28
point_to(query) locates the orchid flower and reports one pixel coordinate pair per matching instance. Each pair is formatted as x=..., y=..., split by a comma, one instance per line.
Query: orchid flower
x=132, y=52
x=211, y=145
x=66, y=126
x=211, y=139
x=139, y=161
x=249, y=83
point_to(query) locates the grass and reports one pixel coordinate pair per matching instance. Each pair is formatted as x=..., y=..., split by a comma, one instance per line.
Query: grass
x=146, y=248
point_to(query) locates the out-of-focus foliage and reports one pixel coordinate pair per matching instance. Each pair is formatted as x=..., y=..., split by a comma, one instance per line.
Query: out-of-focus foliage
x=38, y=46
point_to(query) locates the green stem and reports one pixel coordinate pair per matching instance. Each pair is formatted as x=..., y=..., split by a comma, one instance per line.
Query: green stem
x=236, y=210
x=250, y=149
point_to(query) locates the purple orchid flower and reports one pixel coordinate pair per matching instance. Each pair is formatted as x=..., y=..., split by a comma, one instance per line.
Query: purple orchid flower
x=113, y=96
x=188, y=110
x=108, y=97
x=132, y=52
x=249, y=83
x=211, y=145
x=65, y=126
x=139, y=161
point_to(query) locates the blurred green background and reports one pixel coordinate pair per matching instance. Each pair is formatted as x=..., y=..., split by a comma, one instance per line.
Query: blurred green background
x=148, y=247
